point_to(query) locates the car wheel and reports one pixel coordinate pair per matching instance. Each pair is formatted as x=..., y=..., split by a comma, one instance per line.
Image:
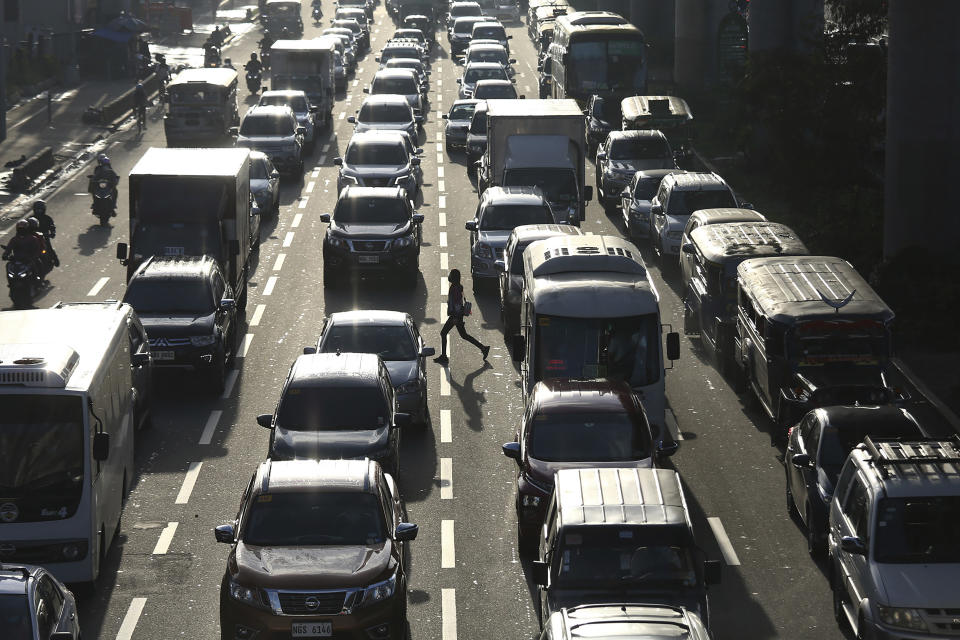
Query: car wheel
x=814, y=540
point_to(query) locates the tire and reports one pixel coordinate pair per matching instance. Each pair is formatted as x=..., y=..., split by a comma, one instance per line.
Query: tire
x=410, y=277
x=104, y=219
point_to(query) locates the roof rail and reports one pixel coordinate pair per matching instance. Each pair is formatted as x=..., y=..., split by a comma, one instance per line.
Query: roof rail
x=891, y=454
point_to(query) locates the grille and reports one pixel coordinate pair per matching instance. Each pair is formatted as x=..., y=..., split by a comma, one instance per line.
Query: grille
x=322, y=603
x=169, y=342
x=22, y=377
x=944, y=621
x=369, y=245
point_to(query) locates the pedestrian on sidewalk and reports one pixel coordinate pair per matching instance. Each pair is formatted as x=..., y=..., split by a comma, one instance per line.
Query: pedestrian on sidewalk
x=457, y=308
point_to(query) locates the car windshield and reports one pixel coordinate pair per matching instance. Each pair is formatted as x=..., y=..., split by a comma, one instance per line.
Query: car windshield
x=639, y=149
x=288, y=519
x=646, y=188
x=505, y=217
x=391, y=153
x=918, y=530
x=401, y=86
x=462, y=112
x=258, y=170
x=683, y=203
x=333, y=408
x=464, y=27
x=181, y=295
x=371, y=211
x=266, y=126
x=190, y=93
x=834, y=342
x=460, y=10
x=558, y=185
x=620, y=558
x=474, y=74
x=390, y=342
x=15, y=617
x=487, y=55
x=399, y=52
x=405, y=63
x=385, y=113
x=297, y=103
x=593, y=437
x=495, y=91
x=587, y=348
x=41, y=437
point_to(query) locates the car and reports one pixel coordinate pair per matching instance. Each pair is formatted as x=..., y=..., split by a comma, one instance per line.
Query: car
x=462, y=9
x=412, y=34
x=499, y=211
x=401, y=49
x=395, y=338
x=379, y=159
x=318, y=548
x=360, y=36
x=647, y=621
x=35, y=605
x=276, y=132
x=336, y=405
x=372, y=230
x=423, y=50
x=491, y=30
x=423, y=75
x=512, y=268
x=817, y=447
x=476, y=136
x=603, y=116
x=460, y=32
x=489, y=53
x=495, y=89
x=635, y=200
x=507, y=10
x=476, y=71
x=422, y=23
x=298, y=102
x=573, y=424
x=624, y=153
x=458, y=124
x=401, y=82
x=386, y=112
x=678, y=196
x=189, y=313
x=348, y=50
x=351, y=13
x=264, y=183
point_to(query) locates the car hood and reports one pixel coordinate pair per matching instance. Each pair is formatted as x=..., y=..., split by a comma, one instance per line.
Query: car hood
x=356, y=230
x=931, y=586
x=401, y=371
x=174, y=325
x=291, y=443
x=313, y=567
x=259, y=184
x=567, y=598
x=496, y=239
x=641, y=165
x=381, y=170
x=542, y=471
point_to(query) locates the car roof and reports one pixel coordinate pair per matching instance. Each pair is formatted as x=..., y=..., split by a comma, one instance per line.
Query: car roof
x=880, y=420
x=910, y=468
x=283, y=93
x=483, y=46
x=483, y=65
x=266, y=111
x=354, y=191
x=222, y=76
x=336, y=370
x=378, y=135
x=621, y=620
x=179, y=267
x=697, y=181
x=636, y=133
x=659, y=173
x=385, y=98
x=719, y=215
x=395, y=73
x=377, y=317
x=489, y=22
x=562, y=395
x=398, y=62
x=527, y=233
x=282, y=476
x=488, y=82
x=747, y=239
x=513, y=195
x=620, y=496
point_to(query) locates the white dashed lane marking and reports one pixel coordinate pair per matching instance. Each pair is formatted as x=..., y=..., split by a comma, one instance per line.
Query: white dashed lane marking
x=247, y=339
x=208, y=429
x=288, y=239
x=131, y=618
x=257, y=315
x=446, y=478
x=310, y=186
x=296, y=220
x=446, y=433
x=444, y=262
x=448, y=556
x=303, y=202
x=448, y=614
x=189, y=481
x=442, y=202
x=271, y=283
x=166, y=537
x=443, y=238
x=228, y=385
x=279, y=263
x=101, y=283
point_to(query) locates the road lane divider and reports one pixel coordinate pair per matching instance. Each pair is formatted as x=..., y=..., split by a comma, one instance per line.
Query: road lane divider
x=210, y=427
x=443, y=238
x=130, y=620
x=446, y=478
x=446, y=431
x=257, y=315
x=310, y=186
x=303, y=202
x=228, y=384
x=442, y=202
x=296, y=221
x=247, y=339
x=101, y=283
x=440, y=172
x=448, y=614
x=445, y=373
x=271, y=283
x=448, y=556
x=166, y=537
x=325, y=148
x=439, y=158
x=726, y=547
x=288, y=239
x=189, y=481
x=444, y=261
x=343, y=114
x=279, y=263
x=442, y=219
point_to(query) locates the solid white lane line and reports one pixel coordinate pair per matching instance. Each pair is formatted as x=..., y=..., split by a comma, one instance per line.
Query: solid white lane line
x=444, y=261
x=442, y=202
x=343, y=114
x=228, y=384
x=442, y=219
x=189, y=480
x=131, y=618
x=296, y=220
x=166, y=537
x=448, y=556
x=247, y=339
x=672, y=425
x=279, y=263
x=448, y=614
x=303, y=202
x=288, y=239
x=439, y=172
x=446, y=433
x=208, y=429
x=443, y=238
x=257, y=314
x=271, y=283
x=325, y=148
x=446, y=479
x=101, y=283
x=726, y=548
x=310, y=186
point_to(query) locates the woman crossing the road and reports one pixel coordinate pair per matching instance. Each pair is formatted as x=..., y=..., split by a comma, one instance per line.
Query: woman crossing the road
x=456, y=310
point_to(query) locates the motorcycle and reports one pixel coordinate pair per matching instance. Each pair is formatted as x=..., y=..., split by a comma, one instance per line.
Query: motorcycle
x=211, y=56
x=104, y=199
x=23, y=281
x=317, y=14
x=253, y=81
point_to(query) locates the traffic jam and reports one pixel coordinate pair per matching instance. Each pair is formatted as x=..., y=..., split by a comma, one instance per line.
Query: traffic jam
x=430, y=322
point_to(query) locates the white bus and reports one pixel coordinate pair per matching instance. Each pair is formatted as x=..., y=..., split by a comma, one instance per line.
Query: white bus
x=589, y=311
x=74, y=380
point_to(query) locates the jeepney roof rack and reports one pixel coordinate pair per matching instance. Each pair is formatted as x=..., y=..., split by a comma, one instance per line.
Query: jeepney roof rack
x=892, y=456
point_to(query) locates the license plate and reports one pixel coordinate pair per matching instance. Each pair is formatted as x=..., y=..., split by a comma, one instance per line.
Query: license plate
x=311, y=629
x=368, y=259
x=173, y=251
x=163, y=355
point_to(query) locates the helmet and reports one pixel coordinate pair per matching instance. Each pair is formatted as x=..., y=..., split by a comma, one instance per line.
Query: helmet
x=34, y=223
x=39, y=207
x=102, y=159
x=23, y=225
x=253, y=56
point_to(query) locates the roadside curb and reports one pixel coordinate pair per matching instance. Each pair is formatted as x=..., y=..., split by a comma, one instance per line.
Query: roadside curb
x=928, y=393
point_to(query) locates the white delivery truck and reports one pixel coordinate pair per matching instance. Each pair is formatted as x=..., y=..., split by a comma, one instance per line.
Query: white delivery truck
x=306, y=65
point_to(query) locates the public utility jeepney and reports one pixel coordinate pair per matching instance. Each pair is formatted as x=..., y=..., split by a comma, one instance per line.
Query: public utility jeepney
x=810, y=332
x=669, y=114
x=203, y=107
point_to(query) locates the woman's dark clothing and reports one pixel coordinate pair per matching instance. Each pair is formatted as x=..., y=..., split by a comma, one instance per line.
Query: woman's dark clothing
x=455, y=319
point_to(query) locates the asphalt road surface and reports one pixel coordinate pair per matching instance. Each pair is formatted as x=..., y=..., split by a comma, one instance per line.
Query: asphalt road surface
x=162, y=577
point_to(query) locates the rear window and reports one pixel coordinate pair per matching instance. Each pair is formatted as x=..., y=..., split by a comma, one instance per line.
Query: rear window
x=297, y=103
x=333, y=408
x=495, y=91
x=386, y=113
x=459, y=10
x=646, y=188
x=463, y=27
x=597, y=437
x=475, y=74
x=376, y=153
x=683, y=203
x=491, y=33
x=478, y=124
x=401, y=86
x=256, y=125
x=507, y=217
x=487, y=55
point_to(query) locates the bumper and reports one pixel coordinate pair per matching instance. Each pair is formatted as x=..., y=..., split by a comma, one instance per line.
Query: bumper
x=191, y=357
x=379, y=262
x=284, y=161
x=456, y=138
x=483, y=268
x=671, y=247
x=878, y=631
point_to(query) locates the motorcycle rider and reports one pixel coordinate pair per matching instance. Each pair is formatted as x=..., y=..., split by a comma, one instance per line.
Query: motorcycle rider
x=253, y=65
x=24, y=246
x=105, y=172
x=47, y=229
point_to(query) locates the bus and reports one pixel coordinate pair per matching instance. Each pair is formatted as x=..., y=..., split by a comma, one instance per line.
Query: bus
x=596, y=59
x=71, y=383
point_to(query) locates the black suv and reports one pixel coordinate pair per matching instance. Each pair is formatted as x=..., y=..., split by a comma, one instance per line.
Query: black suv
x=34, y=604
x=189, y=313
x=372, y=229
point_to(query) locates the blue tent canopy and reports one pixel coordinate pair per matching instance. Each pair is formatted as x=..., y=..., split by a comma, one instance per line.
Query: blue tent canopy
x=113, y=36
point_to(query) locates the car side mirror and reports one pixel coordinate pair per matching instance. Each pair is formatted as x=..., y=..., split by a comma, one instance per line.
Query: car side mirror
x=101, y=446
x=352, y=120
x=602, y=155
x=338, y=161
x=518, y=346
x=539, y=570
x=402, y=419
x=459, y=80
x=224, y=533
x=688, y=248
x=325, y=217
x=418, y=218
x=414, y=162
x=309, y=351
x=122, y=251
x=314, y=108
x=470, y=225
x=228, y=304
x=274, y=174
x=801, y=461
x=406, y=531
x=445, y=116
x=512, y=61
x=377, y=59
x=500, y=266
x=509, y=37
x=588, y=193
x=656, y=210
x=854, y=545
x=712, y=571
x=511, y=450
x=673, y=346
x=667, y=448
x=265, y=420
x=366, y=89
x=234, y=131
x=427, y=352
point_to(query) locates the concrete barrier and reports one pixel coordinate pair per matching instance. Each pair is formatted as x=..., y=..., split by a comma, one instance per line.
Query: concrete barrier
x=32, y=168
x=121, y=106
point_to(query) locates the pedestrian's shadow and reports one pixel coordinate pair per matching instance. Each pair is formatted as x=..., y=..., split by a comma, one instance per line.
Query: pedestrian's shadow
x=472, y=400
x=94, y=238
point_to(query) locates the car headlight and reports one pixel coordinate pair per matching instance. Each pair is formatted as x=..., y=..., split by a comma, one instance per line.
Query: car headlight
x=484, y=251
x=404, y=242
x=379, y=592
x=900, y=617
x=203, y=341
x=674, y=235
x=530, y=501
x=336, y=242
x=410, y=386
x=246, y=595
